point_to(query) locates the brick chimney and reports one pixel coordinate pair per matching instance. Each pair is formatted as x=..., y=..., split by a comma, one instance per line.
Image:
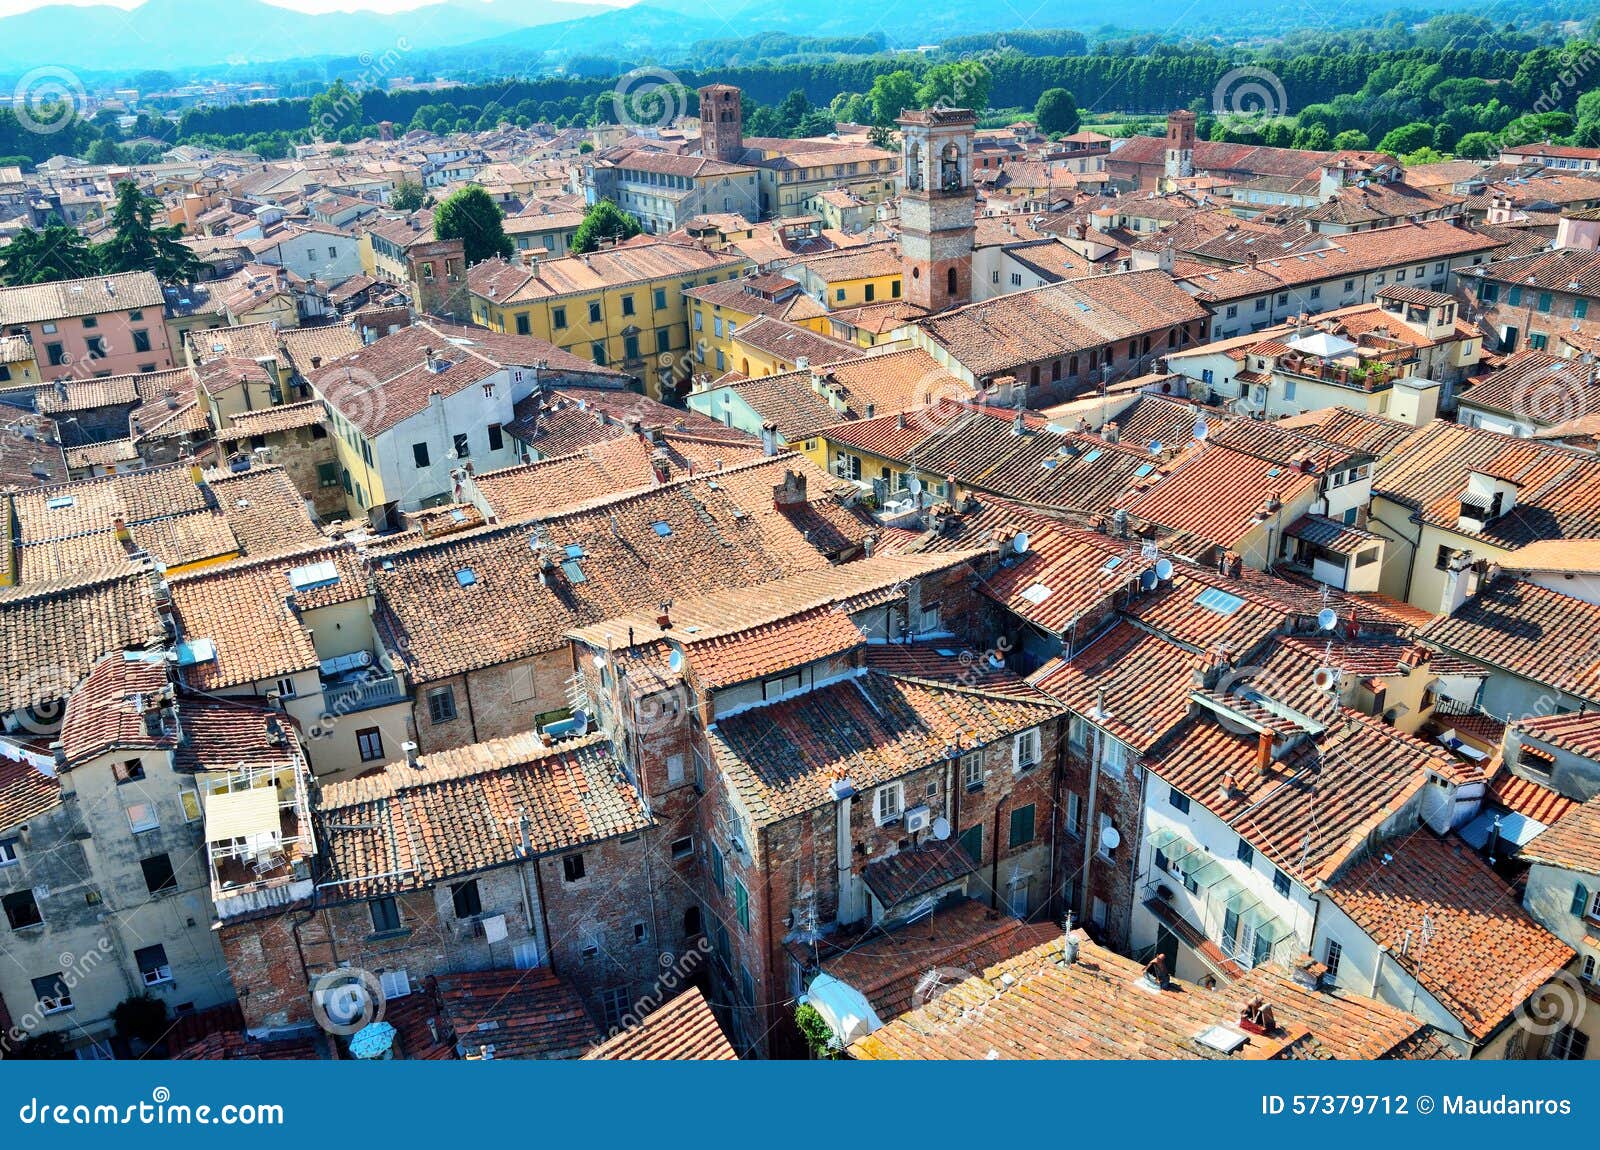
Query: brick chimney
x=791, y=492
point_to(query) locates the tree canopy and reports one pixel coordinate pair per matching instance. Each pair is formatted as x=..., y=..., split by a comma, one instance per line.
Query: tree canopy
x=604, y=221
x=476, y=220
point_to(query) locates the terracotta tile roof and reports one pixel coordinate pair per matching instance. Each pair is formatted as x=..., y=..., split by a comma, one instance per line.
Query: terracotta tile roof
x=511, y=284
x=243, y=609
x=1526, y=630
x=1219, y=495
x=1353, y=430
x=873, y=727
x=887, y=382
x=532, y=1013
x=888, y=966
x=1577, y=731
x=92, y=296
x=1567, y=556
x=770, y=295
x=107, y=710
x=1556, y=496
x=738, y=657
x=69, y=395
x=1471, y=945
x=1037, y=1006
x=569, y=419
x=1000, y=335
x=843, y=587
x=25, y=793
x=1312, y=811
x=389, y=381
x=682, y=1029
x=791, y=342
x=460, y=811
x=1564, y=269
x=30, y=455
x=1544, y=389
x=611, y=467
x=263, y=511
x=268, y=420
x=1330, y=534
x=923, y=868
x=1573, y=843
x=1143, y=679
x=865, y=261
x=718, y=531
x=51, y=634
x=1529, y=798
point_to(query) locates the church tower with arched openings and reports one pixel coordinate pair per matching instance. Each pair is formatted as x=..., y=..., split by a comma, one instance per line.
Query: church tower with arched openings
x=937, y=206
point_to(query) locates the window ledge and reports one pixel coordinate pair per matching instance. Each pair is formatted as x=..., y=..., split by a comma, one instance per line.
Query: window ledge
x=384, y=935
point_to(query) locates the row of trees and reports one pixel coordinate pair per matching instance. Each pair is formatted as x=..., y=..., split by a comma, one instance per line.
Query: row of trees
x=138, y=243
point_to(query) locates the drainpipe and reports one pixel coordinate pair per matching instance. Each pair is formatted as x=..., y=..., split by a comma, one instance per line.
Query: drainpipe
x=1091, y=820
x=466, y=689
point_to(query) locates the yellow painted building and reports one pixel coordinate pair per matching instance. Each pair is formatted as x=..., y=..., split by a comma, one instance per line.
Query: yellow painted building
x=717, y=312
x=869, y=273
x=622, y=307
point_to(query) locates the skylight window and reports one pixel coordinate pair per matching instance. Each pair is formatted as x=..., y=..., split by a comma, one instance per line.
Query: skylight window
x=466, y=576
x=1036, y=594
x=312, y=576
x=1144, y=469
x=1219, y=601
x=574, y=551
x=1091, y=455
x=1111, y=565
x=574, y=572
x=61, y=502
x=661, y=527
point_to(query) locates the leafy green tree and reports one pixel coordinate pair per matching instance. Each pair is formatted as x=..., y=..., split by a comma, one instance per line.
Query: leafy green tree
x=332, y=109
x=818, y=1035
x=472, y=217
x=58, y=252
x=1057, y=112
x=1477, y=146
x=139, y=244
x=891, y=94
x=604, y=221
x=961, y=85
x=1406, y=139
x=408, y=196
x=1537, y=127
x=1351, y=140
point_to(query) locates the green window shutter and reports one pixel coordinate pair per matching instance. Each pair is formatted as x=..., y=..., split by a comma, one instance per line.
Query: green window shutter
x=1580, y=900
x=971, y=841
x=716, y=866
x=741, y=903
x=1022, y=825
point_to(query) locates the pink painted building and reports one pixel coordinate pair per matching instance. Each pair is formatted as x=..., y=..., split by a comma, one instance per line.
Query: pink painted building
x=104, y=325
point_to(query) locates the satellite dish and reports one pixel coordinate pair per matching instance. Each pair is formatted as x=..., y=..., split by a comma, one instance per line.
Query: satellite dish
x=675, y=662
x=913, y=485
x=1201, y=429
x=1327, y=618
x=1325, y=678
x=1164, y=569
x=1147, y=581
x=599, y=659
x=941, y=828
x=1155, y=447
x=1110, y=838
x=1020, y=543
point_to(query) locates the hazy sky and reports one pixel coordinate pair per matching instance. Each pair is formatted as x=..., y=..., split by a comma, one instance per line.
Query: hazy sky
x=12, y=7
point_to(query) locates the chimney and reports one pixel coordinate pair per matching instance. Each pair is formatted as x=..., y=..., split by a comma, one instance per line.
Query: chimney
x=316, y=362
x=791, y=492
x=769, y=439
x=1111, y=433
x=1251, y=260
x=1018, y=423
x=1263, y=752
x=409, y=749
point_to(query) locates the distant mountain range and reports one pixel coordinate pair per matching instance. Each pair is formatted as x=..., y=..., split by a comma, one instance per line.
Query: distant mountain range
x=181, y=34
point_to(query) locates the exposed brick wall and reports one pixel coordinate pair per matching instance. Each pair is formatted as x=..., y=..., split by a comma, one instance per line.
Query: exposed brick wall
x=493, y=702
x=1111, y=881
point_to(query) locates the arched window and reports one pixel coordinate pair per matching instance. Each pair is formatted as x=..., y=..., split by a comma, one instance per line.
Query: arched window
x=950, y=280
x=914, y=166
x=950, y=168
x=691, y=922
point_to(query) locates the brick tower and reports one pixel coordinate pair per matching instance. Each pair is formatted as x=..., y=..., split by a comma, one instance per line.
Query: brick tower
x=937, y=206
x=1180, y=145
x=721, y=123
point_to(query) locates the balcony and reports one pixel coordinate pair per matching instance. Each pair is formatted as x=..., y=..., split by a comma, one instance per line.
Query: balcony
x=361, y=692
x=1223, y=921
x=259, y=838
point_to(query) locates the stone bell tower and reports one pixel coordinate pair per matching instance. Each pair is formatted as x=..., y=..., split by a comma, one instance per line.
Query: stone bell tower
x=721, y=123
x=937, y=206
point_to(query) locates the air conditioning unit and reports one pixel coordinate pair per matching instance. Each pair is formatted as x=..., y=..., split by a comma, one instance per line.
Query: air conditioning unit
x=918, y=819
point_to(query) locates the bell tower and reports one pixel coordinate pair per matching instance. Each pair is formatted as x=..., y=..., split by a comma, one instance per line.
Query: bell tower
x=721, y=123
x=937, y=206
x=1180, y=144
